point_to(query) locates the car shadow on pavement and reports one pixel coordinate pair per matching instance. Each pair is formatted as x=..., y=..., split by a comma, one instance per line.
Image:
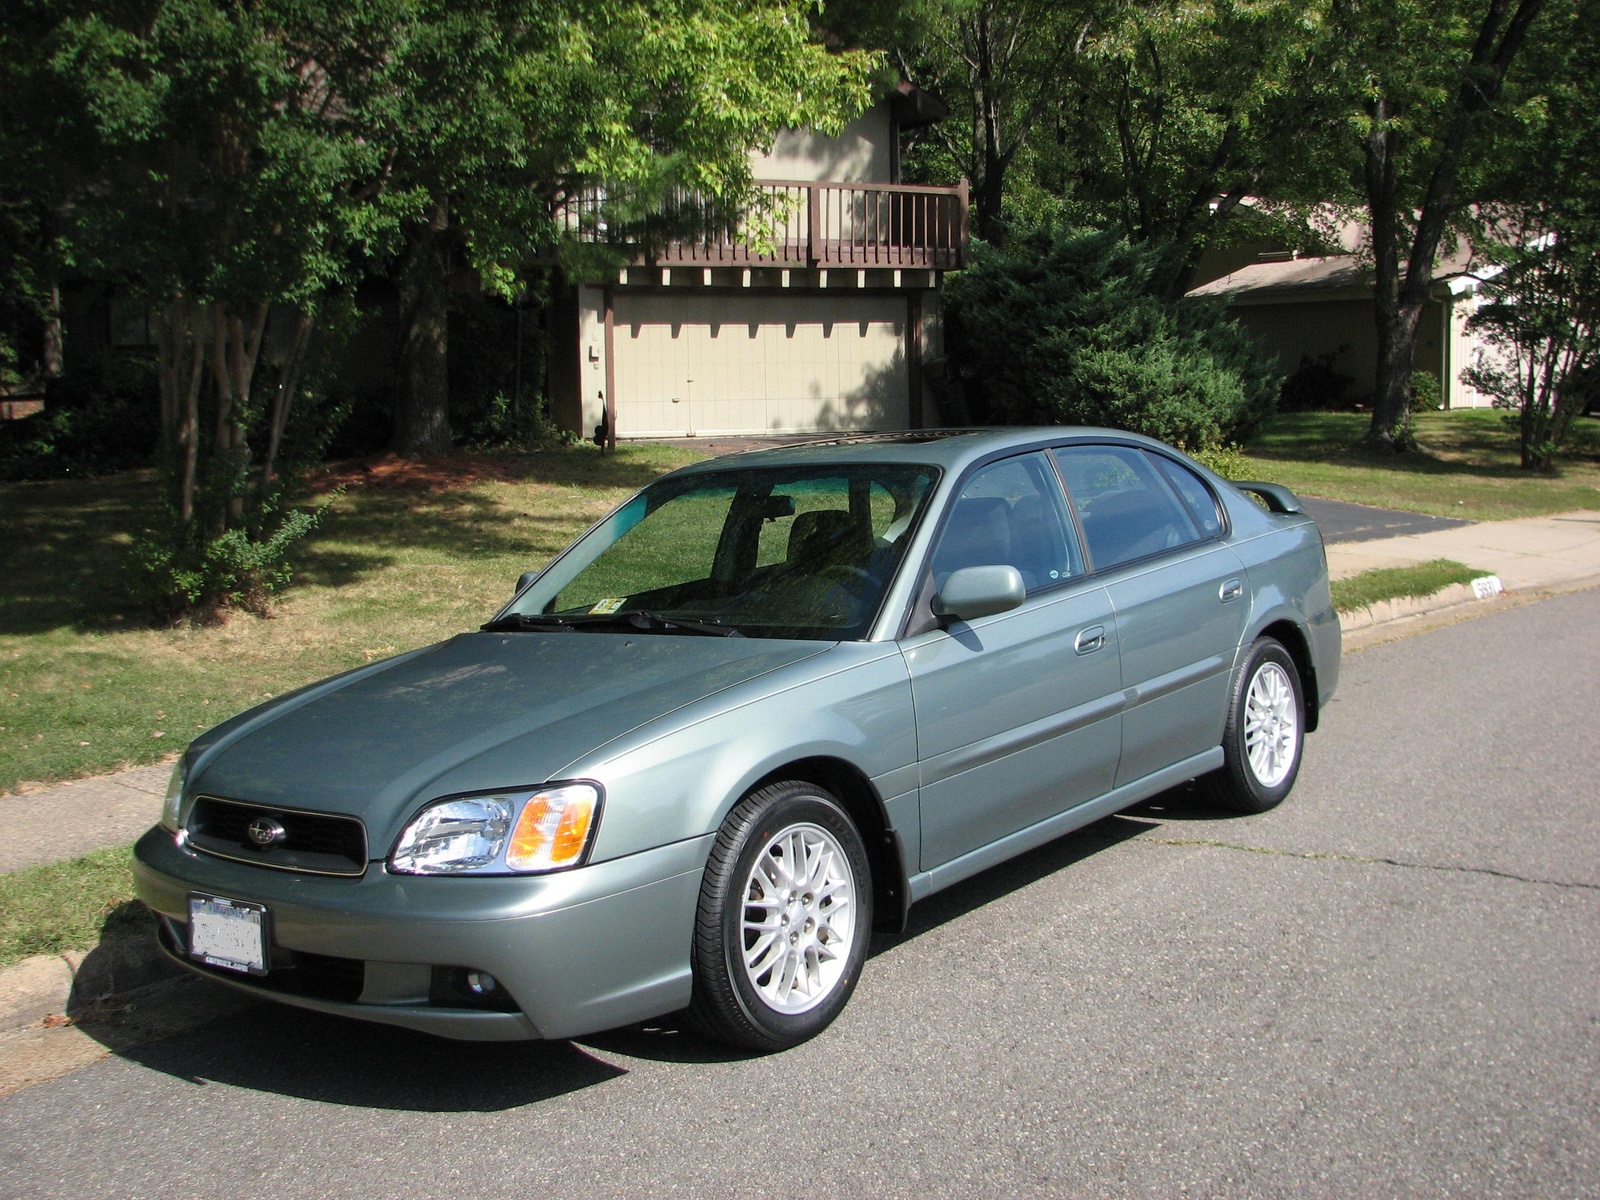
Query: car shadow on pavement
x=666, y=1039
x=293, y=1052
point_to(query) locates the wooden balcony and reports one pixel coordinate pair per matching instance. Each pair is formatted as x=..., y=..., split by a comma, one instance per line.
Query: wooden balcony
x=792, y=224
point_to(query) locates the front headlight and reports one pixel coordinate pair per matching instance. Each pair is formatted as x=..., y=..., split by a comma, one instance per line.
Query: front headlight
x=174, y=798
x=543, y=829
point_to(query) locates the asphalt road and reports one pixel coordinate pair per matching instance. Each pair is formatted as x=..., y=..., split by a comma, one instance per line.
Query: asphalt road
x=1390, y=986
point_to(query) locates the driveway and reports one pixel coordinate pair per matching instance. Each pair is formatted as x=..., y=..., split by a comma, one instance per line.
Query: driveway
x=1344, y=522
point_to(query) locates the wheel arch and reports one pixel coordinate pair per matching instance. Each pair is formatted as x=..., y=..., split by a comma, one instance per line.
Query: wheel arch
x=890, y=893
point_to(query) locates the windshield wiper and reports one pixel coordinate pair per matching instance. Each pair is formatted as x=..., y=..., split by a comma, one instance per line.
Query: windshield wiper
x=517, y=622
x=640, y=619
x=644, y=619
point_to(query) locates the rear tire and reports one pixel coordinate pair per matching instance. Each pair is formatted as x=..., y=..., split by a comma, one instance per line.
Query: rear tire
x=1264, y=734
x=784, y=919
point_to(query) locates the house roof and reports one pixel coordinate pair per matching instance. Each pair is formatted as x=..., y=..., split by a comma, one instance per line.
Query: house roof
x=1326, y=277
x=1291, y=276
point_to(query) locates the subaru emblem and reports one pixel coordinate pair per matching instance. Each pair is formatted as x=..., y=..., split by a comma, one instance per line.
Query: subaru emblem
x=267, y=833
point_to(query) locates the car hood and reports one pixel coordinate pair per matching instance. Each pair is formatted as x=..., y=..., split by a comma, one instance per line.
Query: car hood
x=481, y=711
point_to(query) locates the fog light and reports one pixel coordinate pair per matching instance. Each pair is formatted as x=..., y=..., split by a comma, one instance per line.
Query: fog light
x=482, y=984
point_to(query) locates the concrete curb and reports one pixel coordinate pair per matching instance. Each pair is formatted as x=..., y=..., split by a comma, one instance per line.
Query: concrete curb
x=1454, y=596
x=58, y=989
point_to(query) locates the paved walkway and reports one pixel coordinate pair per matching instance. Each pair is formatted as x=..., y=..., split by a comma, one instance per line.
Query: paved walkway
x=1530, y=555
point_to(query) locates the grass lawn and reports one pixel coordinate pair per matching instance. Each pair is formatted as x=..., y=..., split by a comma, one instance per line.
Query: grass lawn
x=1467, y=468
x=1388, y=583
x=407, y=557
x=67, y=905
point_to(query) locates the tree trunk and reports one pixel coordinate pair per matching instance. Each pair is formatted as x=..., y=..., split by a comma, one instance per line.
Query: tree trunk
x=288, y=385
x=51, y=359
x=987, y=198
x=1400, y=299
x=422, y=416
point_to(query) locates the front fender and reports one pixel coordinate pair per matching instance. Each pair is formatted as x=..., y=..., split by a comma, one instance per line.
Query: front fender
x=669, y=784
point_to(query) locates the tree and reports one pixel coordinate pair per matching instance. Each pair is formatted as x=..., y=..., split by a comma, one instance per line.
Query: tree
x=1541, y=298
x=1182, y=112
x=230, y=188
x=506, y=112
x=1070, y=327
x=1425, y=84
x=248, y=163
x=1000, y=64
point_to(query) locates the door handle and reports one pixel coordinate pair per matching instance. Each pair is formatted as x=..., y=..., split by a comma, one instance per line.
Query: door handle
x=1232, y=589
x=1090, y=639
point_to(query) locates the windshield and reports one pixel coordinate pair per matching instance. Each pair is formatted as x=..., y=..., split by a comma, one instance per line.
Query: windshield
x=796, y=552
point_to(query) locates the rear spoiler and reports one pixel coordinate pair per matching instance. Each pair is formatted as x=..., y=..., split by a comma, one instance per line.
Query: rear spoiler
x=1277, y=498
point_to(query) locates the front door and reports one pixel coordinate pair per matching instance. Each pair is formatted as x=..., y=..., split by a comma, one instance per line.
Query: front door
x=1018, y=713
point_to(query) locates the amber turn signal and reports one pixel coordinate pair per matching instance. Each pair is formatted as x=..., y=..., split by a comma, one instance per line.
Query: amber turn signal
x=554, y=827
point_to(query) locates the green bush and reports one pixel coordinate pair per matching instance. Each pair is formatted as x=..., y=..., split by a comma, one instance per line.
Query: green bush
x=1065, y=327
x=1315, y=385
x=1426, y=394
x=174, y=571
x=1228, y=461
x=98, y=419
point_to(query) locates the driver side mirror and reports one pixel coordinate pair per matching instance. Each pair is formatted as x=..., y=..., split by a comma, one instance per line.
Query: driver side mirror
x=974, y=592
x=524, y=580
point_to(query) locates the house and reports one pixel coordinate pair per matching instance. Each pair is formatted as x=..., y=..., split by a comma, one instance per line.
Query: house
x=817, y=311
x=1317, y=310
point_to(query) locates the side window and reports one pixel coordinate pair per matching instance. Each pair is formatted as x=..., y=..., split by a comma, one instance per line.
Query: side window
x=1128, y=509
x=1196, y=497
x=1010, y=514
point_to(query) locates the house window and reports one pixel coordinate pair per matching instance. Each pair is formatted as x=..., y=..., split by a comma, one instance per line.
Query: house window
x=132, y=325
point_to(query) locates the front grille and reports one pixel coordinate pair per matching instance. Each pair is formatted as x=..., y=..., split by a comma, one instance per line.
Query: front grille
x=318, y=843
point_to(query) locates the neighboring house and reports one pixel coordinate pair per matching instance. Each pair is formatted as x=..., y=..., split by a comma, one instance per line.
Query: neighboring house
x=1318, y=309
x=827, y=324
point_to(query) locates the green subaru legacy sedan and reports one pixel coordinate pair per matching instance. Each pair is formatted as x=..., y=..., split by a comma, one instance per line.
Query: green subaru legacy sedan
x=752, y=715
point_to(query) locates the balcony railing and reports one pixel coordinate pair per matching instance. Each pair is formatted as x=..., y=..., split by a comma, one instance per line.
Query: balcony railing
x=792, y=224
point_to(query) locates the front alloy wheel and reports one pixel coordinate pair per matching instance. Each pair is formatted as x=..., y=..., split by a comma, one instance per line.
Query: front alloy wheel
x=784, y=919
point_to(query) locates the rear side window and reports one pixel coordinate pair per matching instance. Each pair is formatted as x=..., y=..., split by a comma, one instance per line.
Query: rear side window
x=1128, y=505
x=1196, y=497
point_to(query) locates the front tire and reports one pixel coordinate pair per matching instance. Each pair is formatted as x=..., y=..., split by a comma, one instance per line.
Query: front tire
x=784, y=919
x=1264, y=734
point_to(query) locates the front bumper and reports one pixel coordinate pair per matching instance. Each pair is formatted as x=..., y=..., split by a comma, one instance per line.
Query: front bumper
x=577, y=951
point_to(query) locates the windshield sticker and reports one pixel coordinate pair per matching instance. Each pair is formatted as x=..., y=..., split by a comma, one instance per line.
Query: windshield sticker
x=609, y=605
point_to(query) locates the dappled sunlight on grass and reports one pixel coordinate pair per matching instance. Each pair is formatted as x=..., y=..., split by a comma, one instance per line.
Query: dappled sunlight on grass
x=405, y=558
x=1467, y=465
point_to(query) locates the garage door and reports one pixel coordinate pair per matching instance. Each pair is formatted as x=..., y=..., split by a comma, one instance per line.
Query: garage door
x=732, y=364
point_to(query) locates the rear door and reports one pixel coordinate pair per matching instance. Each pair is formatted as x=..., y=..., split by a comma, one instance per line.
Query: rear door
x=1180, y=596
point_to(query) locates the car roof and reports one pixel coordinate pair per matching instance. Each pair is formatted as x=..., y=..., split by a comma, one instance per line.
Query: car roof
x=950, y=449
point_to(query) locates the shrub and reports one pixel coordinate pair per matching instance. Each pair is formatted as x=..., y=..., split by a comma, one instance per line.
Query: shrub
x=97, y=419
x=1314, y=385
x=1067, y=327
x=1426, y=394
x=174, y=570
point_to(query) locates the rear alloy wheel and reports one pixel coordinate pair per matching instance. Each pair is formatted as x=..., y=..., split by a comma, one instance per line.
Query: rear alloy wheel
x=784, y=919
x=1264, y=734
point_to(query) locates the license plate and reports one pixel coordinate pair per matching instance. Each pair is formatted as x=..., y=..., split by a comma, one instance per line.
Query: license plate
x=228, y=933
